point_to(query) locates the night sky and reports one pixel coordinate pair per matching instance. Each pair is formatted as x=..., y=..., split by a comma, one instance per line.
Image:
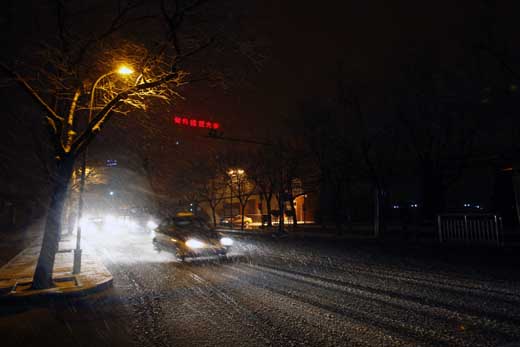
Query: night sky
x=303, y=43
x=374, y=39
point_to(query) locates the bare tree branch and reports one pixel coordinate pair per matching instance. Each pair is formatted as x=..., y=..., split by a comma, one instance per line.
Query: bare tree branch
x=50, y=112
x=106, y=112
x=70, y=133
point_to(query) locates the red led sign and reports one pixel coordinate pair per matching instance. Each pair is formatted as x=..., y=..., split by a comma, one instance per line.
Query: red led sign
x=195, y=123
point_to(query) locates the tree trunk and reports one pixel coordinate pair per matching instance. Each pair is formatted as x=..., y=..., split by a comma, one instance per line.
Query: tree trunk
x=281, y=203
x=293, y=208
x=268, y=198
x=348, y=206
x=433, y=192
x=379, y=216
x=51, y=237
x=213, y=208
x=338, y=205
x=242, y=207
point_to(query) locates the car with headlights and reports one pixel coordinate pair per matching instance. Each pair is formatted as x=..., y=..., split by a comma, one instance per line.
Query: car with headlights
x=190, y=236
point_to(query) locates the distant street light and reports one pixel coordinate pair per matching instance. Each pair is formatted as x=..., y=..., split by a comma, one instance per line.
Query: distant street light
x=122, y=70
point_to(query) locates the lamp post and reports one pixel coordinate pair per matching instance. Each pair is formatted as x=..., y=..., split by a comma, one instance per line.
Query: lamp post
x=76, y=268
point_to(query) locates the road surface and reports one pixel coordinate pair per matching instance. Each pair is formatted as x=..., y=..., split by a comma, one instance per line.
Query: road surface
x=281, y=293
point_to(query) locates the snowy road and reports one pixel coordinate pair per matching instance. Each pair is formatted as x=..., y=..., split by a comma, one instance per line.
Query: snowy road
x=283, y=293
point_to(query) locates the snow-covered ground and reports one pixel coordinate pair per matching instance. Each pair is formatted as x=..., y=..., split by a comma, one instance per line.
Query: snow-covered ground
x=285, y=292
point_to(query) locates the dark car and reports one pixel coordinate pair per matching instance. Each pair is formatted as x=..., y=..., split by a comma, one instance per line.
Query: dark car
x=190, y=236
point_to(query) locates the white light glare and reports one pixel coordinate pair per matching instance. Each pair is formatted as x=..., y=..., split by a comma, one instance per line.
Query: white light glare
x=226, y=241
x=110, y=220
x=84, y=222
x=131, y=223
x=192, y=243
x=151, y=224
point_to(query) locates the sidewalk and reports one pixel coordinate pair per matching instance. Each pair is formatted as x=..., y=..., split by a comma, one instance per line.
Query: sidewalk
x=16, y=275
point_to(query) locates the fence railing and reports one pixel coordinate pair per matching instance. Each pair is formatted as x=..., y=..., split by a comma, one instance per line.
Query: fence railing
x=470, y=229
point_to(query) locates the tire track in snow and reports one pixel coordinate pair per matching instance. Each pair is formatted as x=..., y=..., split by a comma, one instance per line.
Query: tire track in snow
x=504, y=329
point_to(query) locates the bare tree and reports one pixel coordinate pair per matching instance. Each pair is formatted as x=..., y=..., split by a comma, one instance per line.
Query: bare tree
x=74, y=76
x=366, y=145
x=264, y=173
x=244, y=188
x=206, y=183
x=332, y=147
x=439, y=116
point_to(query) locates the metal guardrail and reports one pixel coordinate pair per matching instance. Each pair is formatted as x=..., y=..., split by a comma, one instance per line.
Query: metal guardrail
x=470, y=229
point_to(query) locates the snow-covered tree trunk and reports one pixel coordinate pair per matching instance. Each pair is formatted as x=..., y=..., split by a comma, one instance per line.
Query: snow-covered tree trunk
x=43, y=273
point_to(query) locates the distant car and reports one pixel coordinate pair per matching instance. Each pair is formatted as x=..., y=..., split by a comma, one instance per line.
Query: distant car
x=237, y=220
x=190, y=236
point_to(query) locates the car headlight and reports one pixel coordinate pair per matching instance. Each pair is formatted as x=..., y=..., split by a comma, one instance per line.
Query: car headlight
x=192, y=243
x=151, y=224
x=226, y=241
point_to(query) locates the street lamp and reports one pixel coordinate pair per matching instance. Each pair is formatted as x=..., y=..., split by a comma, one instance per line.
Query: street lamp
x=125, y=70
x=122, y=70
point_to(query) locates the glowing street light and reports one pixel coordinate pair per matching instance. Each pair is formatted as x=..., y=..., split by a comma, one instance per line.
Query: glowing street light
x=234, y=172
x=125, y=70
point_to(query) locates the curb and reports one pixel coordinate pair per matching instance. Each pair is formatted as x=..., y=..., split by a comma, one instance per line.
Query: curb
x=52, y=293
x=16, y=277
